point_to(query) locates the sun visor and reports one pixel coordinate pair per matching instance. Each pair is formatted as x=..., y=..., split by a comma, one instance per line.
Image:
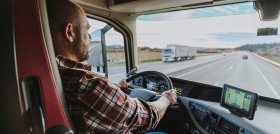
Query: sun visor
x=268, y=9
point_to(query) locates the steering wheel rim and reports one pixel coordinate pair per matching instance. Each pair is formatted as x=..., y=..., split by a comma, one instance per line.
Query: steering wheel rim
x=166, y=78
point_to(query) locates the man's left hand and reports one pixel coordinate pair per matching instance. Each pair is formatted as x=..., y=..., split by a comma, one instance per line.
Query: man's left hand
x=123, y=83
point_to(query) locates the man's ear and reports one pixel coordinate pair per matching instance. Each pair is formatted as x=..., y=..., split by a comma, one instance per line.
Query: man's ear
x=69, y=32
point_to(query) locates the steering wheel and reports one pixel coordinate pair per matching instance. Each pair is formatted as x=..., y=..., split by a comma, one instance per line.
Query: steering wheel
x=143, y=93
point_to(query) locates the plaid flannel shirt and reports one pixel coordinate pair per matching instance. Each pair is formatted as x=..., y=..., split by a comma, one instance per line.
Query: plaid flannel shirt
x=98, y=106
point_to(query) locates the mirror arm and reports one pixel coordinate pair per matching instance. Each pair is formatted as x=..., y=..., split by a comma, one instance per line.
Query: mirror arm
x=103, y=32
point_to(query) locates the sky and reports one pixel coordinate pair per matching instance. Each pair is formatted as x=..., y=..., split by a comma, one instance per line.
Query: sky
x=212, y=32
x=213, y=27
x=112, y=37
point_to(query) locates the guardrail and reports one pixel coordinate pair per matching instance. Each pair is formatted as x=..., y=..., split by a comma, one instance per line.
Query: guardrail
x=152, y=59
x=268, y=60
x=123, y=61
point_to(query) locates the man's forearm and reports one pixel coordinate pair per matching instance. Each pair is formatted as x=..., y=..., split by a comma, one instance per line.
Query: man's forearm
x=161, y=104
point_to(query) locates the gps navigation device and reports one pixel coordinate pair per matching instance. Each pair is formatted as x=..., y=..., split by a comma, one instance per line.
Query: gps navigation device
x=239, y=101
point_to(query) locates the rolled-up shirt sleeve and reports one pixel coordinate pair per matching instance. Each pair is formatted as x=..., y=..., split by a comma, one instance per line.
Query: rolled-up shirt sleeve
x=108, y=109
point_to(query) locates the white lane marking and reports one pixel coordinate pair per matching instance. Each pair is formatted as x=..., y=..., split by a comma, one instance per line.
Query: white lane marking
x=230, y=68
x=267, y=82
x=156, y=67
x=160, y=66
x=218, y=58
x=211, y=57
x=197, y=69
x=216, y=83
x=168, y=64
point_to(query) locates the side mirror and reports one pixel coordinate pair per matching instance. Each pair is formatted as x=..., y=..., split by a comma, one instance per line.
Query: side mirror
x=96, y=36
x=95, y=49
x=267, y=31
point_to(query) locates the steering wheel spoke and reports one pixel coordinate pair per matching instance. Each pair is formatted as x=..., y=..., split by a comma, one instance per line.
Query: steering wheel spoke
x=142, y=93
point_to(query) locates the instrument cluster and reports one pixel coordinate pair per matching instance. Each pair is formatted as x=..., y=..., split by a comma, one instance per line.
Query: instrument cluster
x=157, y=84
x=152, y=83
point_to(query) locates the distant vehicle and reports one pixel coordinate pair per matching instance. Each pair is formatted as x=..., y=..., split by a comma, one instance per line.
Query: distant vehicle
x=225, y=54
x=245, y=57
x=178, y=52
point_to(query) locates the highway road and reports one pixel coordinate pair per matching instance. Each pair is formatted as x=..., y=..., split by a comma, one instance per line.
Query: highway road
x=117, y=72
x=253, y=74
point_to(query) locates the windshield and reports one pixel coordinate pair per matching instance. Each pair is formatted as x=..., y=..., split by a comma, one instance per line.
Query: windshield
x=167, y=51
x=214, y=45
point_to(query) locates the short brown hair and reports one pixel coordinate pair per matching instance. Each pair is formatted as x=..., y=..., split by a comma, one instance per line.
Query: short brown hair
x=61, y=12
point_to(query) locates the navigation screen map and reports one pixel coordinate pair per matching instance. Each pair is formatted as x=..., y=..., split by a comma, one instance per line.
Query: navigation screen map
x=238, y=99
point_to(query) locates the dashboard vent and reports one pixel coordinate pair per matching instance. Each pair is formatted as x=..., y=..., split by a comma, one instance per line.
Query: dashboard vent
x=228, y=127
x=200, y=113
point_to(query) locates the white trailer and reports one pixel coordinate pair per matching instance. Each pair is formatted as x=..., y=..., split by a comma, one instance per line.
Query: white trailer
x=192, y=52
x=178, y=52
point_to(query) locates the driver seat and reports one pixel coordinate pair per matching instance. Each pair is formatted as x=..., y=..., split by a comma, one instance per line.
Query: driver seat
x=42, y=57
x=56, y=74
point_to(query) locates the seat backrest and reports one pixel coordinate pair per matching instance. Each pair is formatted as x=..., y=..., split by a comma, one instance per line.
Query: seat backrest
x=35, y=57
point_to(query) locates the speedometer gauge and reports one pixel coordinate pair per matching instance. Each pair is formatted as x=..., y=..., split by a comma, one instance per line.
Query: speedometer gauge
x=161, y=86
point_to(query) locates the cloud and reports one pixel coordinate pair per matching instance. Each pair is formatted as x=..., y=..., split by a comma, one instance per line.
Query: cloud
x=245, y=38
x=222, y=31
x=178, y=28
x=223, y=10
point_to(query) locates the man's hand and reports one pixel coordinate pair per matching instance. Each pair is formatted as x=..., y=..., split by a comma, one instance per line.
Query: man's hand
x=122, y=83
x=171, y=96
x=167, y=98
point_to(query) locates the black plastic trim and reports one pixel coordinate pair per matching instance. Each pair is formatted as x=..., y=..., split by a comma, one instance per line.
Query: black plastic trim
x=263, y=98
x=196, y=83
x=123, y=1
x=12, y=121
x=34, y=105
x=59, y=129
x=32, y=92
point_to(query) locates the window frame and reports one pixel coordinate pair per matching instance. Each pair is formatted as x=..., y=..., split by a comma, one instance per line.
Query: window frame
x=127, y=37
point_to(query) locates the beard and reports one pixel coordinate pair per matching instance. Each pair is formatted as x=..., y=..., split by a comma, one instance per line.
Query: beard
x=81, y=50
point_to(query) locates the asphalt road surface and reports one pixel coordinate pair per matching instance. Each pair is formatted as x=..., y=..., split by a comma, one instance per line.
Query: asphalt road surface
x=253, y=74
x=117, y=72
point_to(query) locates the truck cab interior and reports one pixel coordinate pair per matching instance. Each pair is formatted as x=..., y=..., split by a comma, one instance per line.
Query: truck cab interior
x=32, y=97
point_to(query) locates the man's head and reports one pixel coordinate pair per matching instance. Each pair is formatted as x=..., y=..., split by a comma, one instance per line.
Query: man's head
x=69, y=29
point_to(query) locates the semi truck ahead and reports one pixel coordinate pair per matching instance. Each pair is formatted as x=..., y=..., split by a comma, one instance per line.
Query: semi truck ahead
x=178, y=52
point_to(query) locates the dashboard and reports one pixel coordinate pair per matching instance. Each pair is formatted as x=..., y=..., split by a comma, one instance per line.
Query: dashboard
x=198, y=110
x=214, y=123
x=183, y=87
x=210, y=117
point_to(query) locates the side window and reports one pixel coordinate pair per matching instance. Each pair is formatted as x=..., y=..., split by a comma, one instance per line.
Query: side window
x=106, y=50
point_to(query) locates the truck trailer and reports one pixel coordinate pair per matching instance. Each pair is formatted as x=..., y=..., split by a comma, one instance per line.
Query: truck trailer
x=178, y=52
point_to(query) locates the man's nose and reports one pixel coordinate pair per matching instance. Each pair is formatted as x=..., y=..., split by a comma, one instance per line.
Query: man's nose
x=89, y=37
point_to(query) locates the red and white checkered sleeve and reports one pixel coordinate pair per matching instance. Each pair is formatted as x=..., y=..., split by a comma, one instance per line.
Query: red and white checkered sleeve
x=110, y=110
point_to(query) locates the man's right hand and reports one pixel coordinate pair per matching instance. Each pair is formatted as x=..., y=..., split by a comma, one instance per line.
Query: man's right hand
x=167, y=98
x=171, y=96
